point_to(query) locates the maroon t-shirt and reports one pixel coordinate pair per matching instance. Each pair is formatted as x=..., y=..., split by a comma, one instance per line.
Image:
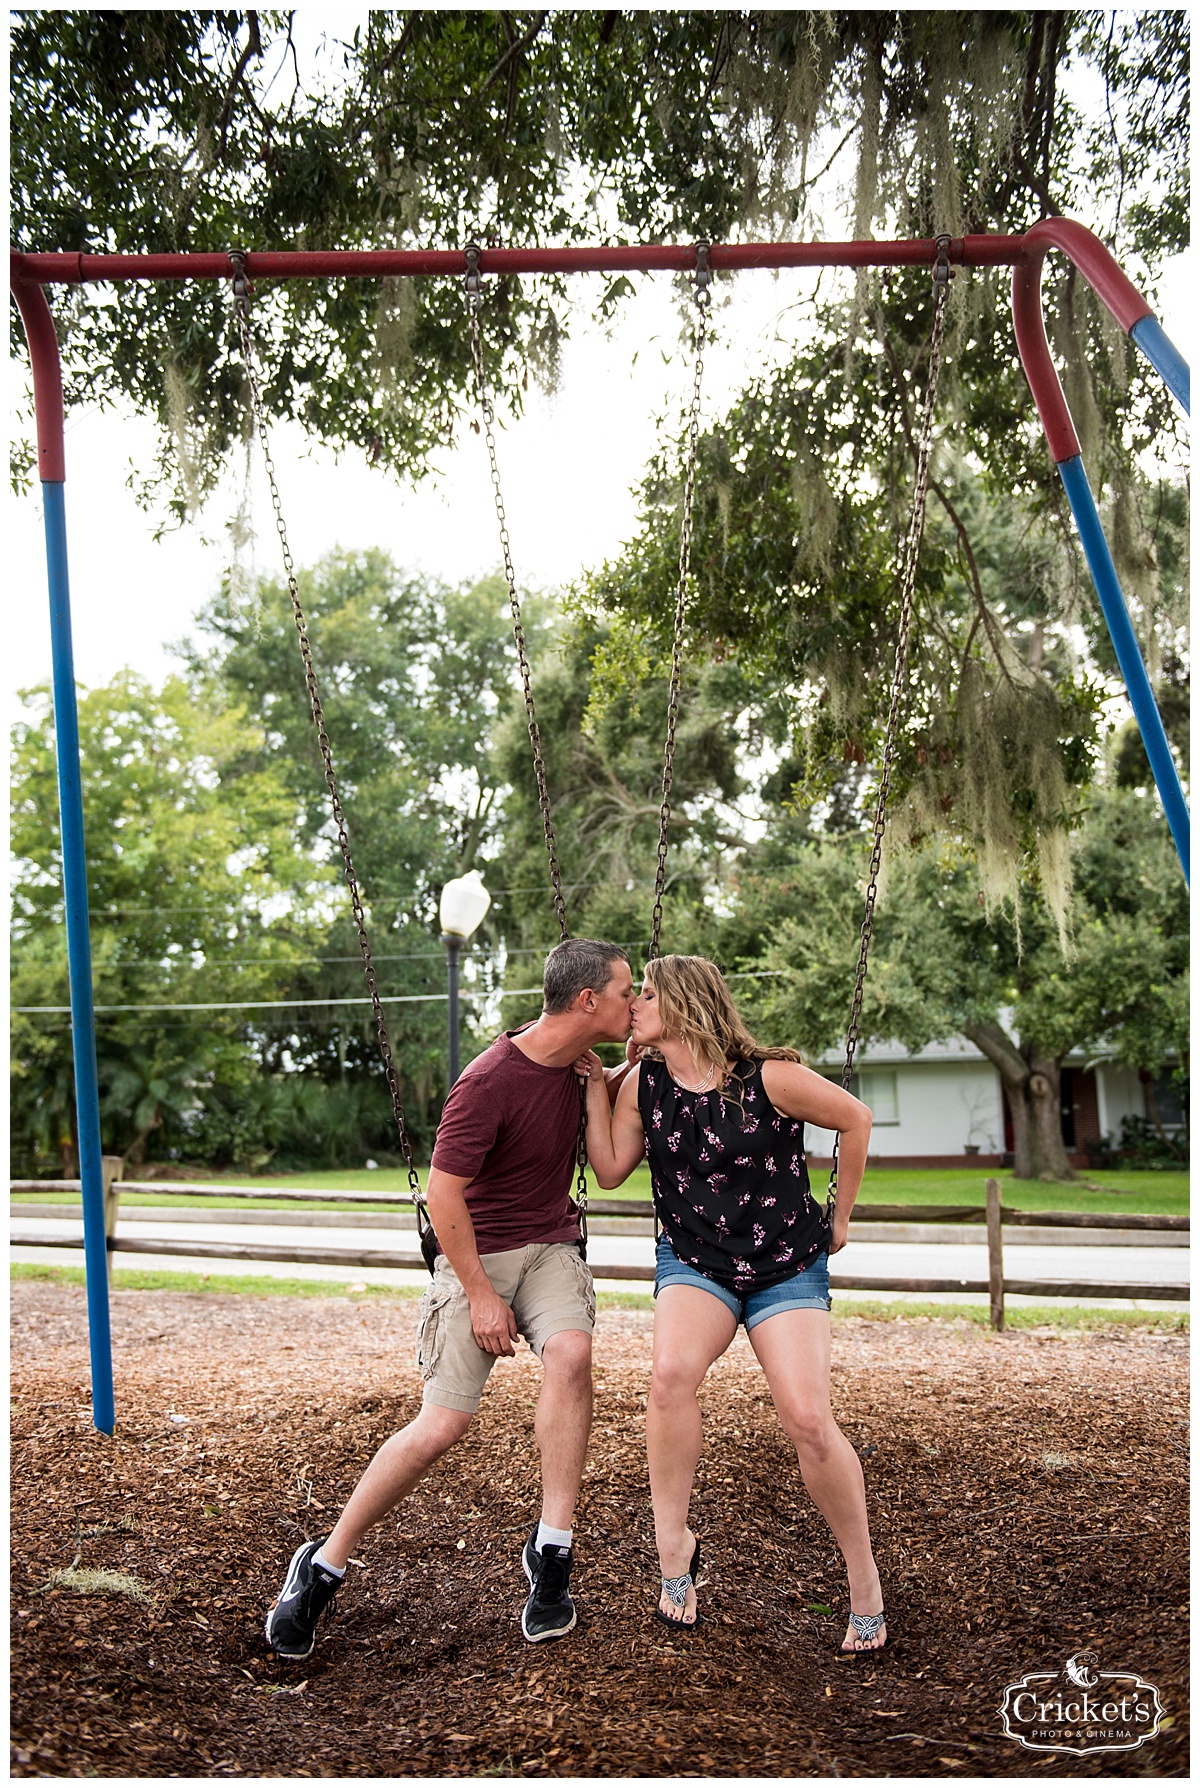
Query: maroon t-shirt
x=510, y=1126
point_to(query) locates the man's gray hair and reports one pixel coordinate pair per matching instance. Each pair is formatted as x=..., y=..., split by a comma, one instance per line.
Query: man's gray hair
x=576, y=963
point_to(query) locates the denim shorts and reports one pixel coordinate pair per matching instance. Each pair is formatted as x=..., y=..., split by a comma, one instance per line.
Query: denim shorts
x=806, y=1290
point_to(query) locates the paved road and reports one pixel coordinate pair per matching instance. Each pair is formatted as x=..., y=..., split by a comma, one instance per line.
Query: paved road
x=884, y=1259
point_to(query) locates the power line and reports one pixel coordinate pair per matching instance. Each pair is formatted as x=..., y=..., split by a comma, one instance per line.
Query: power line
x=223, y=962
x=388, y=999
x=114, y=912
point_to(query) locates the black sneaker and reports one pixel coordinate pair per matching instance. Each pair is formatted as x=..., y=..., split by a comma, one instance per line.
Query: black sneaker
x=307, y=1591
x=549, y=1612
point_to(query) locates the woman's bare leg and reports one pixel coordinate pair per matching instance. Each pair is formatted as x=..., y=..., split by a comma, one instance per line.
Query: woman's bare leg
x=692, y=1328
x=794, y=1349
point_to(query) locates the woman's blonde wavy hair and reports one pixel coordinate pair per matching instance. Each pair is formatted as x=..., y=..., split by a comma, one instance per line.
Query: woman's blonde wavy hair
x=695, y=1005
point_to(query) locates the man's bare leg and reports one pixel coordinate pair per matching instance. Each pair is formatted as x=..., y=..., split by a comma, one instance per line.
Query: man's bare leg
x=564, y=1422
x=562, y=1426
x=393, y=1473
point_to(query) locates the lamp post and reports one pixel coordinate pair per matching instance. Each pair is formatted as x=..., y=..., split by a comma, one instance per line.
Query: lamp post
x=464, y=902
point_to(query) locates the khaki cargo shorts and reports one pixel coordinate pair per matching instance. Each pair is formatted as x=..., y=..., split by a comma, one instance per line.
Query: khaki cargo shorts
x=550, y=1290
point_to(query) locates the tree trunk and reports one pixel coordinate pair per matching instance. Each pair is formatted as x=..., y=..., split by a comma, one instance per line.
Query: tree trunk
x=136, y=1152
x=1033, y=1083
x=1048, y=1155
x=68, y=1156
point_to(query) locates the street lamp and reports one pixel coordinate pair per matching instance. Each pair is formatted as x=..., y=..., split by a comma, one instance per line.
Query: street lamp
x=464, y=902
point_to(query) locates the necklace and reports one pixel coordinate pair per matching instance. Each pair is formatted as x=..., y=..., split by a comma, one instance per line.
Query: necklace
x=704, y=1084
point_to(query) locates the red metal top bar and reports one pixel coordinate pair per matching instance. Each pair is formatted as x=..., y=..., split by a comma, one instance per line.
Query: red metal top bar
x=1096, y=264
x=77, y=269
x=1025, y=254
x=47, y=379
x=1029, y=323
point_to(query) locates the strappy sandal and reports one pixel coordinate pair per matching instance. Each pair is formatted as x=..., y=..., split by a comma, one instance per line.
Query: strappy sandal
x=676, y=1588
x=866, y=1626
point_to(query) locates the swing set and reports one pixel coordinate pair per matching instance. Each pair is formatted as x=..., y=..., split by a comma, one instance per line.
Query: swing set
x=31, y=273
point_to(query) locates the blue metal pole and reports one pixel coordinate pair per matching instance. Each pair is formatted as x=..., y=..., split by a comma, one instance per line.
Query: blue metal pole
x=1129, y=656
x=79, y=957
x=1165, y=357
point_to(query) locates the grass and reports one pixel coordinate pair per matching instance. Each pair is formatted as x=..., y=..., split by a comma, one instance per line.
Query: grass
x=99, y=1583
x=253, y=1285
x=1022, y=1316
x=1126, y=1190
x=871, y=1310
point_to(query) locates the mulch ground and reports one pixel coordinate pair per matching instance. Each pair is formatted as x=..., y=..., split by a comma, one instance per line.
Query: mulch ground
x=1027, y=1497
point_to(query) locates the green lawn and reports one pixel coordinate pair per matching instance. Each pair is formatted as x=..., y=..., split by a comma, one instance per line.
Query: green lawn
x=869, y=1310
x=1151, y=1194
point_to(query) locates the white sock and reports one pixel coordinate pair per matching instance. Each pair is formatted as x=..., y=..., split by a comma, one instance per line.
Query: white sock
x=552, y=1536
x=319, y=1558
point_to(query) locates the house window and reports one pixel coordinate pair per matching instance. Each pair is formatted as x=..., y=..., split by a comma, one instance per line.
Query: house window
x=876, y=1087
x=1166, y=1094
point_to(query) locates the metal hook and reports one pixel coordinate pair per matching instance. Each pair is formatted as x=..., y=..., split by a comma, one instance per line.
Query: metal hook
x=242, y=289
x=474, y=279
x=943, y=272
x=703, y=270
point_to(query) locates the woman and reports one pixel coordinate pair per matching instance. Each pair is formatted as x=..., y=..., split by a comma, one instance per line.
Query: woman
x=721, y=1122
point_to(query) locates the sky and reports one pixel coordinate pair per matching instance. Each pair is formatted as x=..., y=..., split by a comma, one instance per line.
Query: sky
x=568, y=468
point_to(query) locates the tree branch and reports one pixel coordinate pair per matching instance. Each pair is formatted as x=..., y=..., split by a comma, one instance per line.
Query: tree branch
x=398, y=48
x=1049, y=74
x=253, y=48
x=291, y=45
x=956, y=521
x=516, y=49
x=968, y=552
x=999, y=1049
x=1112, y=125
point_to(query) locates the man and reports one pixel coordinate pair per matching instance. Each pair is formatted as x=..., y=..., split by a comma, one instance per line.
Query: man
x=509, y=1265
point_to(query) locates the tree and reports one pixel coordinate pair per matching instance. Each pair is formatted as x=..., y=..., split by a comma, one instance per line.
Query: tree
x=442, y=125
x=415, y=676
x=603, y=743
x=940, y=963
x=800, y=509
x=215, y=875
x=412, y=674
x=204, y=130
x=185, y=862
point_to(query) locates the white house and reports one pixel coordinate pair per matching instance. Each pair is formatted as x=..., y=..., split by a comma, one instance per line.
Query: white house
x=944, y=1106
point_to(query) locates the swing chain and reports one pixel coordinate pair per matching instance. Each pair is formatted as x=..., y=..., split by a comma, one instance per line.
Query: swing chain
x=241, y=293
x=474, y=304
x=703, y=302
x=911, y=554
x=474, y=291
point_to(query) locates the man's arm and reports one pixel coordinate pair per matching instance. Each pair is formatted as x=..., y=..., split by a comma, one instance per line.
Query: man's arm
x=492, y=1320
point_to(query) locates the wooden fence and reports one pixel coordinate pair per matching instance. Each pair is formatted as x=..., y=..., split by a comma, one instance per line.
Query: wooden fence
x=626, y=1217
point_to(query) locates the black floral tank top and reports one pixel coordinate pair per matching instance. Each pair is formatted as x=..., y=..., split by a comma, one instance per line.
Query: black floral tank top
x=730, y=1179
